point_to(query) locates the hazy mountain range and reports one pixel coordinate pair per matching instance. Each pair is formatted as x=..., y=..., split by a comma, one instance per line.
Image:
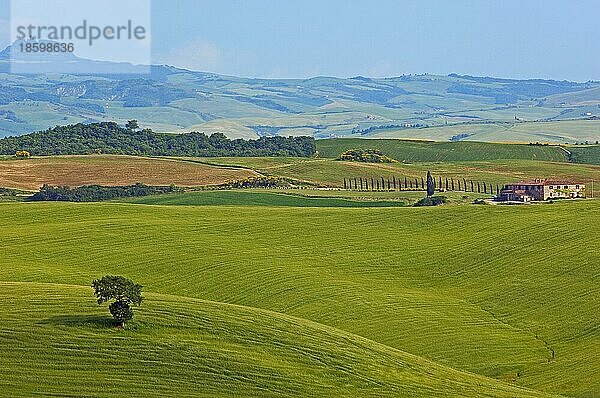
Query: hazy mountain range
x=72, y=89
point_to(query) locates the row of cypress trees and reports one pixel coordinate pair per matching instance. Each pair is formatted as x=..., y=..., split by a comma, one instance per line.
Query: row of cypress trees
x=414, y=183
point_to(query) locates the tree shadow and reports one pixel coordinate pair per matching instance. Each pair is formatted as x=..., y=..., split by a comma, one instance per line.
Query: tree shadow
x=96, y=321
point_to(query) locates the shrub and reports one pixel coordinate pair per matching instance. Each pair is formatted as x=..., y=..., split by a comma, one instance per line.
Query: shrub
x=257, y=182
x=366, y=155
x=8, y=192
x=431, y=201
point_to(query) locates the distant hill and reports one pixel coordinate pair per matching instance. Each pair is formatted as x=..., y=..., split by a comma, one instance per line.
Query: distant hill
x=177, y=100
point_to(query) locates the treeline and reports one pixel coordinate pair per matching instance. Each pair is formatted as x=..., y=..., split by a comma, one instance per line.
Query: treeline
x=369, y=130
x=8, y=192
x=419, y=184
x=97, y=193
x=110, y=138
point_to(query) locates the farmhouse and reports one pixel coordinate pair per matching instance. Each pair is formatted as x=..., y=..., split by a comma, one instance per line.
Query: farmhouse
x=541, y=189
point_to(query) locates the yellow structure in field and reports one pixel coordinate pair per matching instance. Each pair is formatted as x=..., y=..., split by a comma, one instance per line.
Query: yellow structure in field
x=22, y=154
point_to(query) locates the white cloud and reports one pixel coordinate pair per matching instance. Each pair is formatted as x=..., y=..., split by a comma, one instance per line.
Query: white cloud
x=206, y=56
x=199, y=55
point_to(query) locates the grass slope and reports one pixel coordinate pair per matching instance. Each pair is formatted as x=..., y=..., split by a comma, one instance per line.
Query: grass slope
x=585, y=154
x=505, y=292
x=57, y=341
x=495, y=172
x=121, y=170
x=298, y=198
x=415, y=151
x=257, y=198
x=111, y=170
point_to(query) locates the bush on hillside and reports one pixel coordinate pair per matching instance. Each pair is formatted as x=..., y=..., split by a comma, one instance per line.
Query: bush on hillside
x=257, y=182
x=431, y=201
x=366, y=155
x=8, y=192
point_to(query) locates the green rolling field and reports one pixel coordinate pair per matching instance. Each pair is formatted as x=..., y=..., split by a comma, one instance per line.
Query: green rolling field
x=298, y=198
x=189, y=347
x=496, y=172
x=288, y=301
x=264, y=198
x=304, y=292
x=589, y=154
x=415, y=151
x=303, y=200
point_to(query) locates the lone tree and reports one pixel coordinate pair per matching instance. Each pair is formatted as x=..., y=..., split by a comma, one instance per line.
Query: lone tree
x=132, y=125
x=430, y=184
x=124, y=293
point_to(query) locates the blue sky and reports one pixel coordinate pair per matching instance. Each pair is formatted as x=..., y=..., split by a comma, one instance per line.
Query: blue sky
x=289, y=38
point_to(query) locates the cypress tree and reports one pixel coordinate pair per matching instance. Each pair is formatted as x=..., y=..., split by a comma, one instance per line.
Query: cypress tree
x=345, y=185
x=472, y=186
x=465, y=184
x=452, y=179
x=446, y=183
x=430, y=184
